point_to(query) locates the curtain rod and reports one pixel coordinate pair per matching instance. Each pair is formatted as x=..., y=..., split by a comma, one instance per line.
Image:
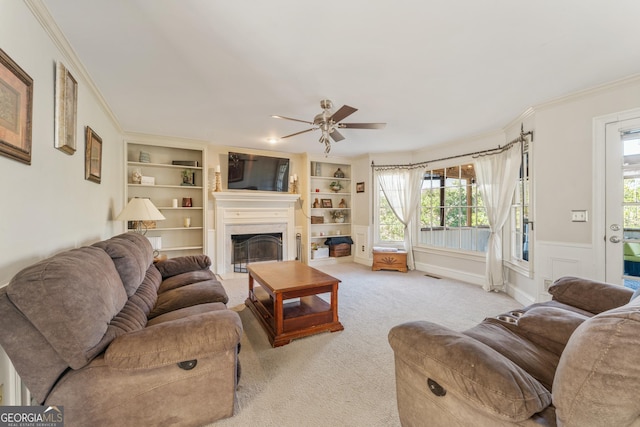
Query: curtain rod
x=475, y=154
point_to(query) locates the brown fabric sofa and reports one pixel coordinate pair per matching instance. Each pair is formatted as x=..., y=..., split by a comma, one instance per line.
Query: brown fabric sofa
x=120, y=341
x=572, y=361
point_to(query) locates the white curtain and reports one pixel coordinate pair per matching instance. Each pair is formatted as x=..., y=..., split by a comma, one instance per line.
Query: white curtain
x=402, y=187
x=497, y=176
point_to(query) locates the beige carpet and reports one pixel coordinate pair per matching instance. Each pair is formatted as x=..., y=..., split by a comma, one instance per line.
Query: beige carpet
x=346, y=378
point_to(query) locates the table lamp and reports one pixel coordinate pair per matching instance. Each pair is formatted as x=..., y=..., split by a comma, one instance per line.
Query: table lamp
x=140, y=210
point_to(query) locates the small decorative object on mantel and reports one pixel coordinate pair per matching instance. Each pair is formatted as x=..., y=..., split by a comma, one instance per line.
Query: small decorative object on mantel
x=188, y=177
x=335, y=186
x=338, y=174
x=218, y=180
x=342, y=204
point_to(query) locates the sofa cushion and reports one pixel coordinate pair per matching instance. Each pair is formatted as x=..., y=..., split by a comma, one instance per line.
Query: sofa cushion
x=188, y=295
x=133, y=315
x=132, y=254
x=174, y=266
x=549, y=327
x=186, y=312
x=589, y=295
x=539, y=362
x=71, y=298
x=601, y=382
x=188, y=278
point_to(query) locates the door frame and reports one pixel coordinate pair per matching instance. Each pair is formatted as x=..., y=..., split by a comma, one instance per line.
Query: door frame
x=599, y=185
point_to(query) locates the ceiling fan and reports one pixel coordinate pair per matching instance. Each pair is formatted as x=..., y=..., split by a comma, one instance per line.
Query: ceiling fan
x=329, y=123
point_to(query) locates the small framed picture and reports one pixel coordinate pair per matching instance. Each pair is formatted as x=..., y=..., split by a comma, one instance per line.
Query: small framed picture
x=93, y=157
x=66, y=110
x=360, y=187
x=326, y=203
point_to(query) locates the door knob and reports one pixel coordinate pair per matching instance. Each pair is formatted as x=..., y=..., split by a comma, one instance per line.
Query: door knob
x=614, y=239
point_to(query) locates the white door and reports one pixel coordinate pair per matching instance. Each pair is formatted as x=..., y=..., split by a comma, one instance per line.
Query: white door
x=622, y=195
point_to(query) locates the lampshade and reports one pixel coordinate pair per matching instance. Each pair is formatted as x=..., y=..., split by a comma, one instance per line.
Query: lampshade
x=139, y=209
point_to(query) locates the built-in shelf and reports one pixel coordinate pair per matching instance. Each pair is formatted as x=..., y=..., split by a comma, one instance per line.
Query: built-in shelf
x=322, y=174
x=174, y=237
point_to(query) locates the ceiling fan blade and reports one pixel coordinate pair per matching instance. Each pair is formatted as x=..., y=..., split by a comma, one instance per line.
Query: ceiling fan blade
x=342, y=113
x=295, y=120
x=362, y=125
x=298, y=133
x=336, y=136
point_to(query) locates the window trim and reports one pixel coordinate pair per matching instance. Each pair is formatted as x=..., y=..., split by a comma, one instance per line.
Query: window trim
x=518, y=265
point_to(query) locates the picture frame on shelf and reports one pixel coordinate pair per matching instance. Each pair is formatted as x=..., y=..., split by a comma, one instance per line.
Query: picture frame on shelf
x=93, y=156
x=16, y=105
x=326, y=203
x=66, y=107
x=360, y=187
x=188, y=177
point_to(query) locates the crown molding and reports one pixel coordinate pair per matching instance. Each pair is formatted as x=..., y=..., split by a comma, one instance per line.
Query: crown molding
x=42, y=14
x=593, y=90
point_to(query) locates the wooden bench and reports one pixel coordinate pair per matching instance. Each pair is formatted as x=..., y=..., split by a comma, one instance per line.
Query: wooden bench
x=386, y=260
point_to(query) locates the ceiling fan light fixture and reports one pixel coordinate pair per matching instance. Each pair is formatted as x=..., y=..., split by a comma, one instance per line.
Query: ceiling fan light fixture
x=329, y=122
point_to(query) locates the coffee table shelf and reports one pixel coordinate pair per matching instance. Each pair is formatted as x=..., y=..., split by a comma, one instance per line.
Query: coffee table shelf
x=289, y=309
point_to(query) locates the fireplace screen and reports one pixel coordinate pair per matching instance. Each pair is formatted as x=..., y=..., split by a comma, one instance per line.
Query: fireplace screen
x=248, y=248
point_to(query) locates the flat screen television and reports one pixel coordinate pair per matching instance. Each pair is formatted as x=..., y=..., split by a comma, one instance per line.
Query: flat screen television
x=254, y=172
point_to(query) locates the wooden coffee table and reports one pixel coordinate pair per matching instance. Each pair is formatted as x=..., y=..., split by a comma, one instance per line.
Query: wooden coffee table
x=286, y=300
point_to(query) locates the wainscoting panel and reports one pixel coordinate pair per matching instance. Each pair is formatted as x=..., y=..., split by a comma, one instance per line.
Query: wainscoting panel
x=361, y=242
x=557, y=259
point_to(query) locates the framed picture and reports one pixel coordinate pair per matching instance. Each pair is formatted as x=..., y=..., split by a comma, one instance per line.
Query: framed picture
x=93, y=156
x=326, y=203
x=16, y=109
x=188, y=177
x=66, y=110
x=360, y=187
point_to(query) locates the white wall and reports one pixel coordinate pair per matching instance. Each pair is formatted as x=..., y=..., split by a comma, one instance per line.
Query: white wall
x=49, y=206
x=564, y=144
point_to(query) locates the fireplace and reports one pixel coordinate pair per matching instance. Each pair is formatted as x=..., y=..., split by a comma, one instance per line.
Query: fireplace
x=250, y=248
x=251, y=213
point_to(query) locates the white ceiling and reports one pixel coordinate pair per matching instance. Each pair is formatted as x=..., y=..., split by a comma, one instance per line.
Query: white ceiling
x=434, y=70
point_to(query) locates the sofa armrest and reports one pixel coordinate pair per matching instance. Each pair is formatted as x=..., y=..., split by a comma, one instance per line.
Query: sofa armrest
x=174, y=266
x=176, y=341
x=590, y=295
x=468, y=370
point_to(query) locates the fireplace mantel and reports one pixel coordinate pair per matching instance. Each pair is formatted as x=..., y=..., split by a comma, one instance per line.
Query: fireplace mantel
x=252, y=197
x=244, y=212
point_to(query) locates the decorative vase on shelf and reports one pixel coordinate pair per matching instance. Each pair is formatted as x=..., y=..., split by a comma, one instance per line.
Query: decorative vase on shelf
x=335, y=186
x=316, y=204
x=339, y=219
x=342, y=204
x=338, y=174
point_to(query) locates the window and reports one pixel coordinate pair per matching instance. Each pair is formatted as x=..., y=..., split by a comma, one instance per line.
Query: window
x=390, y=229
x=520, y=213
x=452, y=214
